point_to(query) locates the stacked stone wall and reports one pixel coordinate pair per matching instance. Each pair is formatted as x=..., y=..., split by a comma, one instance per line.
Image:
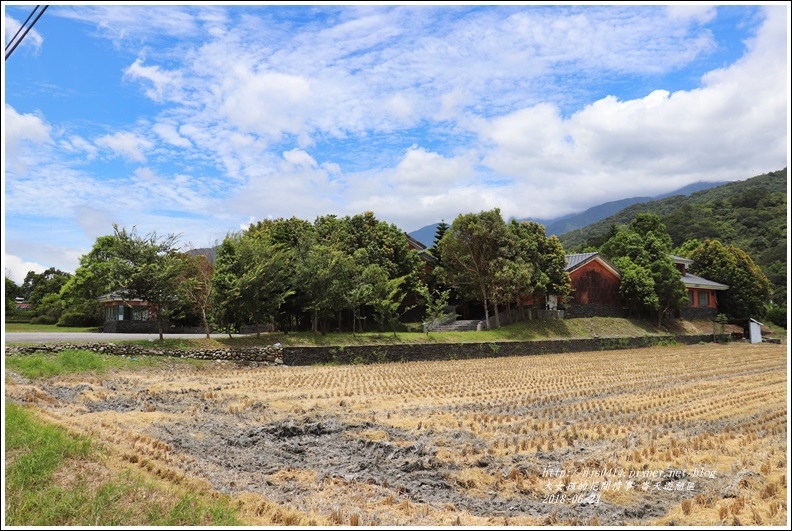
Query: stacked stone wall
x=280, y=355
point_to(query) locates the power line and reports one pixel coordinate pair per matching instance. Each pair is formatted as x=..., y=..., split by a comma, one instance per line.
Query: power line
x=20, y=28
x=17, y=42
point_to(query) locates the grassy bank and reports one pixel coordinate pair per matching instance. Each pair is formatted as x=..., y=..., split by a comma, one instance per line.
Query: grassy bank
x=46, y=365
x=54, y=478
x=522, y=331
x=31, y=328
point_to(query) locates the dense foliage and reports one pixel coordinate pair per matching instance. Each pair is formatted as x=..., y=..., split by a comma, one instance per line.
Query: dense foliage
x=750, y=215
x=748, y=290
x=495, y=263
x=650, y=280
x=351, y=271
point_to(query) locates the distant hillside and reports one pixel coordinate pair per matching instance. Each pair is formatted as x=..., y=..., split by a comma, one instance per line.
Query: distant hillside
x=572, y=222
x=750, y=214
x=774, y=182
x=426, y=234
x=592, y=215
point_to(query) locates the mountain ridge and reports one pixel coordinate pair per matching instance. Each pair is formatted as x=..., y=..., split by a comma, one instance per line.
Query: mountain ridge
x=571, y=222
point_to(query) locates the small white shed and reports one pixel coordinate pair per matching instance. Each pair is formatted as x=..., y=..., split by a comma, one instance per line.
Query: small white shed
x=755, y=331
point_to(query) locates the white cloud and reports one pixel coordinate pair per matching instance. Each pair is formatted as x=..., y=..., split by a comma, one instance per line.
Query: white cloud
x=32, y=39
x=729, y=128
x=267, y=103
x=25, y=127
x=170, y=135
x=298, y=157
x=165, y=85
x=78, y=145
x=421, y=170
x=22, y=129
x=125, y=144
x=699, y=13
x=122, y=22
x=259, y=118
x=94, y=220
x=17, y=269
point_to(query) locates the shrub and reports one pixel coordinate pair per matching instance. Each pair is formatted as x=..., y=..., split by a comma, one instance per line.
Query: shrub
x=19, y=316
x=44, y=319
x=777, y=315
x=78, y=319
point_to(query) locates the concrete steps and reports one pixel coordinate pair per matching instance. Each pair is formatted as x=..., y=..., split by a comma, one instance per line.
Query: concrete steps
x=465, y=325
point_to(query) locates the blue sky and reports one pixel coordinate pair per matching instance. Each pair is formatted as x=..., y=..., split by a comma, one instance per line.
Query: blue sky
x=198, y=119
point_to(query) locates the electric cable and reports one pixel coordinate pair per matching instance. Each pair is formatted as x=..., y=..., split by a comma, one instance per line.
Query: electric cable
x=9, y=52
x=21, y=27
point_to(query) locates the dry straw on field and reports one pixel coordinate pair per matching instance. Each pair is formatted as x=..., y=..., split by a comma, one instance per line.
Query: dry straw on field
x=691, y=435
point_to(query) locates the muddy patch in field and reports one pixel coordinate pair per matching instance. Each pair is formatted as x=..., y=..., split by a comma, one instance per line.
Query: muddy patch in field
x=237, y=459
x=300, y=461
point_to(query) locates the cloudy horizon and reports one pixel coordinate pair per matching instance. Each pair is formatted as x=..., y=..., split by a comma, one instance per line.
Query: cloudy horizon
x=199, y=119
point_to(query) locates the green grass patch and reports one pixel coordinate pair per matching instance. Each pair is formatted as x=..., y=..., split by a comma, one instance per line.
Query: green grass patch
x=46, y=486
x=38, y=449
x=30, y=328
x=46, y=364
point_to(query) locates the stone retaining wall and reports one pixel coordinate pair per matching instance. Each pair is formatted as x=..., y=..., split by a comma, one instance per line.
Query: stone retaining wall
x=279, y=355
x=266, y=354
x=454, y=351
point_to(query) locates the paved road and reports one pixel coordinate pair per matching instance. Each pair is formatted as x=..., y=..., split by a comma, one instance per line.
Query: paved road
x=89, y=337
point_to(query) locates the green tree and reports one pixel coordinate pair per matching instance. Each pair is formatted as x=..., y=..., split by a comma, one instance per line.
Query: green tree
x=511, y=280
x=440, y=231
x=50, y=307
x=79, y=296
x=470, y=252
x=293, y=235
x=132, y=265
x=435, y=305
x=387, y=300
x=324, y=273
x=376, y=250
x=12, y=291
x=195, y=285
x=149, y=270
x=749, y=289
x=46, y=285
x=226, y=297
x=594, y=242
x=361, y=293
x=547, y=256
x=643, y=253
x=264, y=284
x=687, y=247
x=96, y=275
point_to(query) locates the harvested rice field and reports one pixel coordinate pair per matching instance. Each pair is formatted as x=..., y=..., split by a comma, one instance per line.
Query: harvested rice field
x=674, y=435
